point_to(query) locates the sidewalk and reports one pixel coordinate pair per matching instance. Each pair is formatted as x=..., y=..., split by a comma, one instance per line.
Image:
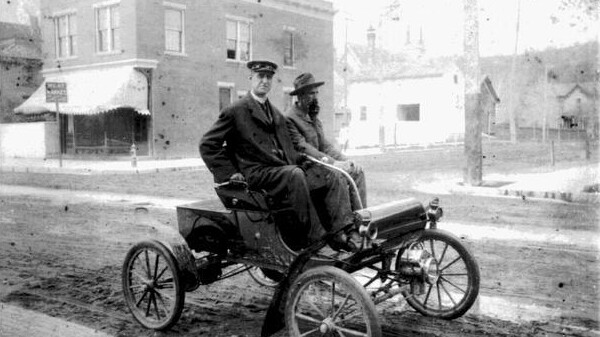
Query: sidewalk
x=568, y=185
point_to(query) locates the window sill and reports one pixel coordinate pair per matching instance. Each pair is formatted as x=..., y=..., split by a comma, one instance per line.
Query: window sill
x=67, y=58
x=174, y=53
x=107, y=53
x=236, y=61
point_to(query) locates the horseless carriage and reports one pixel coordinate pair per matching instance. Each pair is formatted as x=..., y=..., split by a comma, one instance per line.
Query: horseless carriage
x=317, y=293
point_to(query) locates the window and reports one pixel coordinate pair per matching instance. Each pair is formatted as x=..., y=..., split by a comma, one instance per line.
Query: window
x=225, y=94
x=66, y=31
x=239, y=38
x=363, y=113
x=408, y=112
x=288, y=52
x=224, y=97
x=107, y=29
x=174, y=28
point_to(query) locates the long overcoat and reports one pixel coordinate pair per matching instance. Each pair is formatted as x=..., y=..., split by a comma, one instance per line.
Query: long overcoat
x=244, y=140
x=308, y=136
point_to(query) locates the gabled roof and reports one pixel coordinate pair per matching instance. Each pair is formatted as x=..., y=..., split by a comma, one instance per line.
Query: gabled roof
x=587, y=89
x=375, y=65
x=487, y=83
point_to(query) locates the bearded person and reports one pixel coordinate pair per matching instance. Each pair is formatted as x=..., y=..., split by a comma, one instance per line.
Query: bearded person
x=306, y=131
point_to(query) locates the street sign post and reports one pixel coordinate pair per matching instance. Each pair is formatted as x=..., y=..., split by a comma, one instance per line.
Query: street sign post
x=57, y=92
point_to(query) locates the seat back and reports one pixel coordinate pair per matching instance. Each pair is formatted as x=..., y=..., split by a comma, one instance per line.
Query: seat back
x=238, y=197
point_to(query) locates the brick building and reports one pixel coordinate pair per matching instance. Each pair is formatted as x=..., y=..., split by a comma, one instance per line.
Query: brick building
x=157, y=72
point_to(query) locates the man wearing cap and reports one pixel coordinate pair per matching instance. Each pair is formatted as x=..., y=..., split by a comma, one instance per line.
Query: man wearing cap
x=250, y=142
x=307, y=133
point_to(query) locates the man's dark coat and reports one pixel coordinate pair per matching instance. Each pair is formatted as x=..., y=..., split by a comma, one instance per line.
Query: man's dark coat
x=308, y=135
x=247, y=148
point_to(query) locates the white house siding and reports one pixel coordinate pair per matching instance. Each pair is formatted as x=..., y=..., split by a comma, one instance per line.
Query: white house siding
x=29, y=140
x=441, y=111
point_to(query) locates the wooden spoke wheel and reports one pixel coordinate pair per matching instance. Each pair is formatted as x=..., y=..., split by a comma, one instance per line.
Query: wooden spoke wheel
x=327, y=301
x=152, y=285
x=453, y=278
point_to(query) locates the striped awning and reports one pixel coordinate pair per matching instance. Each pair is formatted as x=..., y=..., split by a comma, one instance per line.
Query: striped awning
x=92, y=92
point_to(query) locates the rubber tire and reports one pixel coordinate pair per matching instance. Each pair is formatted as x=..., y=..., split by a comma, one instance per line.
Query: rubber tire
x=178, y=282
x=266, y=277
x=472, y=273
x=339, y=276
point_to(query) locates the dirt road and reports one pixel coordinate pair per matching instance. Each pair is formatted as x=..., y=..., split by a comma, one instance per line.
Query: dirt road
x=539, y=268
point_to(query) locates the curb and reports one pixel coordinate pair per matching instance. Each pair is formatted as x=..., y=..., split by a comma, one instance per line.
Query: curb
x=587, y=198
x=89, y=171
x=572, y=197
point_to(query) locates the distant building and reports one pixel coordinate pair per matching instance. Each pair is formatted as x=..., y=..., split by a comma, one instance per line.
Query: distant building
x=20, y=65
x=488, y=101
x=567, y=106
x=404, y=105
x=577, y=107
x=402, y=98
x=156, y=73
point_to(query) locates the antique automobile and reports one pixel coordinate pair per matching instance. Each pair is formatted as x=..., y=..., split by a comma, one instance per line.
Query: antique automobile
x=317, y=291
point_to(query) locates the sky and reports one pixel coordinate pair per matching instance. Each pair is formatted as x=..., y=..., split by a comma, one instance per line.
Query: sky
x=443, y=20
x=17, y=11
x=497, y=24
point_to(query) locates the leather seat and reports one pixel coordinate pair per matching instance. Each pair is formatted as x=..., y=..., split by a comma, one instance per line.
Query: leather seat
x=241, y=198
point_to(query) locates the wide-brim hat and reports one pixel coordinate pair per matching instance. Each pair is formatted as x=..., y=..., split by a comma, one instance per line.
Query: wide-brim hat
x=262, y=66
x=305, y=82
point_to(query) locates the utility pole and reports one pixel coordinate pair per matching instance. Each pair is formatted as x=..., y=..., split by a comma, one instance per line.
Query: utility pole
x=513, y=66
x=473, y=114
x=545, y=105
x=346, y=110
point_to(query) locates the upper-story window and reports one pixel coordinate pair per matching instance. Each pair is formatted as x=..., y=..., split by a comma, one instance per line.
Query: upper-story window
x=239, y=39
x=288, y=51
x=174, y=28
x=66, y=31
x=107, y=28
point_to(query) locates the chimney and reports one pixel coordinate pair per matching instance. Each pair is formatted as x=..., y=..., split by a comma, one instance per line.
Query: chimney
x=371, y=43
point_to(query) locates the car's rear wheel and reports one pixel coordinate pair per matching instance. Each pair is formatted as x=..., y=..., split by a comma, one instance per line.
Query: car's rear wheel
x=152, y=285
